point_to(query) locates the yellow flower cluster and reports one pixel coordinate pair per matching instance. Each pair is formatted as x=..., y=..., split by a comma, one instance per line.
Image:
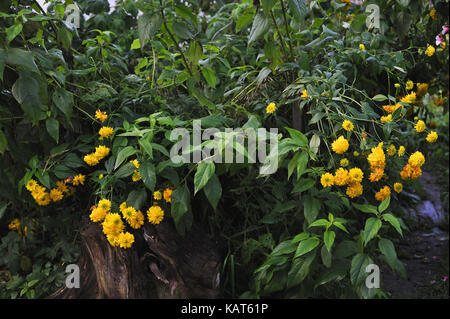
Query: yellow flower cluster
x=347, y=125
x=42, y=197
x=271, y=108
x=136, y=175
x=383, y=193
x=409, y=98
x=430, y=50
x=391, y=108
x=340, y=145
x=412, y=170
x=377, y=162
x=93, y=159
x=134, y=217
x=432, y=137
x=101, y=116
x=342, y=176
x=105, y=132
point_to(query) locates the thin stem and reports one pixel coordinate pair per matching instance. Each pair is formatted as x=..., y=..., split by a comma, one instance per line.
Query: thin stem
x=287, y=29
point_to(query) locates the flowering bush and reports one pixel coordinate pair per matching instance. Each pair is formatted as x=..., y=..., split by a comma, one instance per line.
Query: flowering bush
x=357, y=109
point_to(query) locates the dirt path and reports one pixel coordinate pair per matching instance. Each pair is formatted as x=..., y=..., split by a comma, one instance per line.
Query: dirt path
x=423, y=251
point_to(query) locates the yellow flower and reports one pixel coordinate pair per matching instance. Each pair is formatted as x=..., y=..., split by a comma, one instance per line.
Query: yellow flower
x=386, y=119
x=305, y=94
x=362, y=47
x=128, y=213
x=397, y=85
x=430, y=50
x=100, y=176
x=125, y=240
x=391, y=108
x=104, y=204
x=340, y=145
x=157, y=195
x=137, y=220
x=347, y=125
x=113, y=224
x=61, y=185
x=433, y=14
x=417, y=159
x=410, y=98
x=101, y=116
x=155, y=215
x=123, y=206
x=136, y=176
x=354, y=190
x=355, y=153
x=56, y=195
x=344, y=162
x=91, y=159
x=383, y=193
x=422, y=89
x=391, y=150
x=101, y=151
x=401, y=151
x=98, y=214
x=327, y=180
x=398, y=187
x=432, y=137
x=79, y=179
x=113, y=240
x=135, y=162
x=271, y=108
x=31, y=185
x=167, y=194
x=106, y=131
x=44, y=199
x=14, y=225
x=356, y=175
x=409, y=85
x=376, y=158
x=341, y=177
x=420, y=126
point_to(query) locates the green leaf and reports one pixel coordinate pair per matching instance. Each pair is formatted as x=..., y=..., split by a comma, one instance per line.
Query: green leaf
x=306, y=246
x=12, y=32
x=298, y=9
x=63, y=172
x=210, y=76
x=384, y=204
x=366, y=208
x=204, y=172
x=268, y=5
x=319, y=223
x=63, y=100
x=181, y=209
x=259, y=27
x=125, y=170
x=311, y=208
x=358, y=268
x=394, y=222
x=303, y=185
x=314, y=144
x=297, y=137
x=21, y=58
x=379, y=98
x=283, y=248
x=148, y=26
x=147, y=171
x=326, y=256
x=136, y=44
x=388, y=250
x=26, y=91
x=3, y=207
x=52, y=126
x=371, y=229
x=328, y=238
x=195, y=52
x=181, y=30
x=137, y=198
x=123, y=155
x=213, y=191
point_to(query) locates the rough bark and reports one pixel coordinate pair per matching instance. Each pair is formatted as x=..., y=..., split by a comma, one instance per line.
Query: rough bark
x=161, y=264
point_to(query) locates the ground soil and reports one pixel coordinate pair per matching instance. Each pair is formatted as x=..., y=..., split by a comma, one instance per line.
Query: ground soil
x=424, y=251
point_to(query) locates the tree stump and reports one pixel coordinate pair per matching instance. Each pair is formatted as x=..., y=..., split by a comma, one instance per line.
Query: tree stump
x=160, y=264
